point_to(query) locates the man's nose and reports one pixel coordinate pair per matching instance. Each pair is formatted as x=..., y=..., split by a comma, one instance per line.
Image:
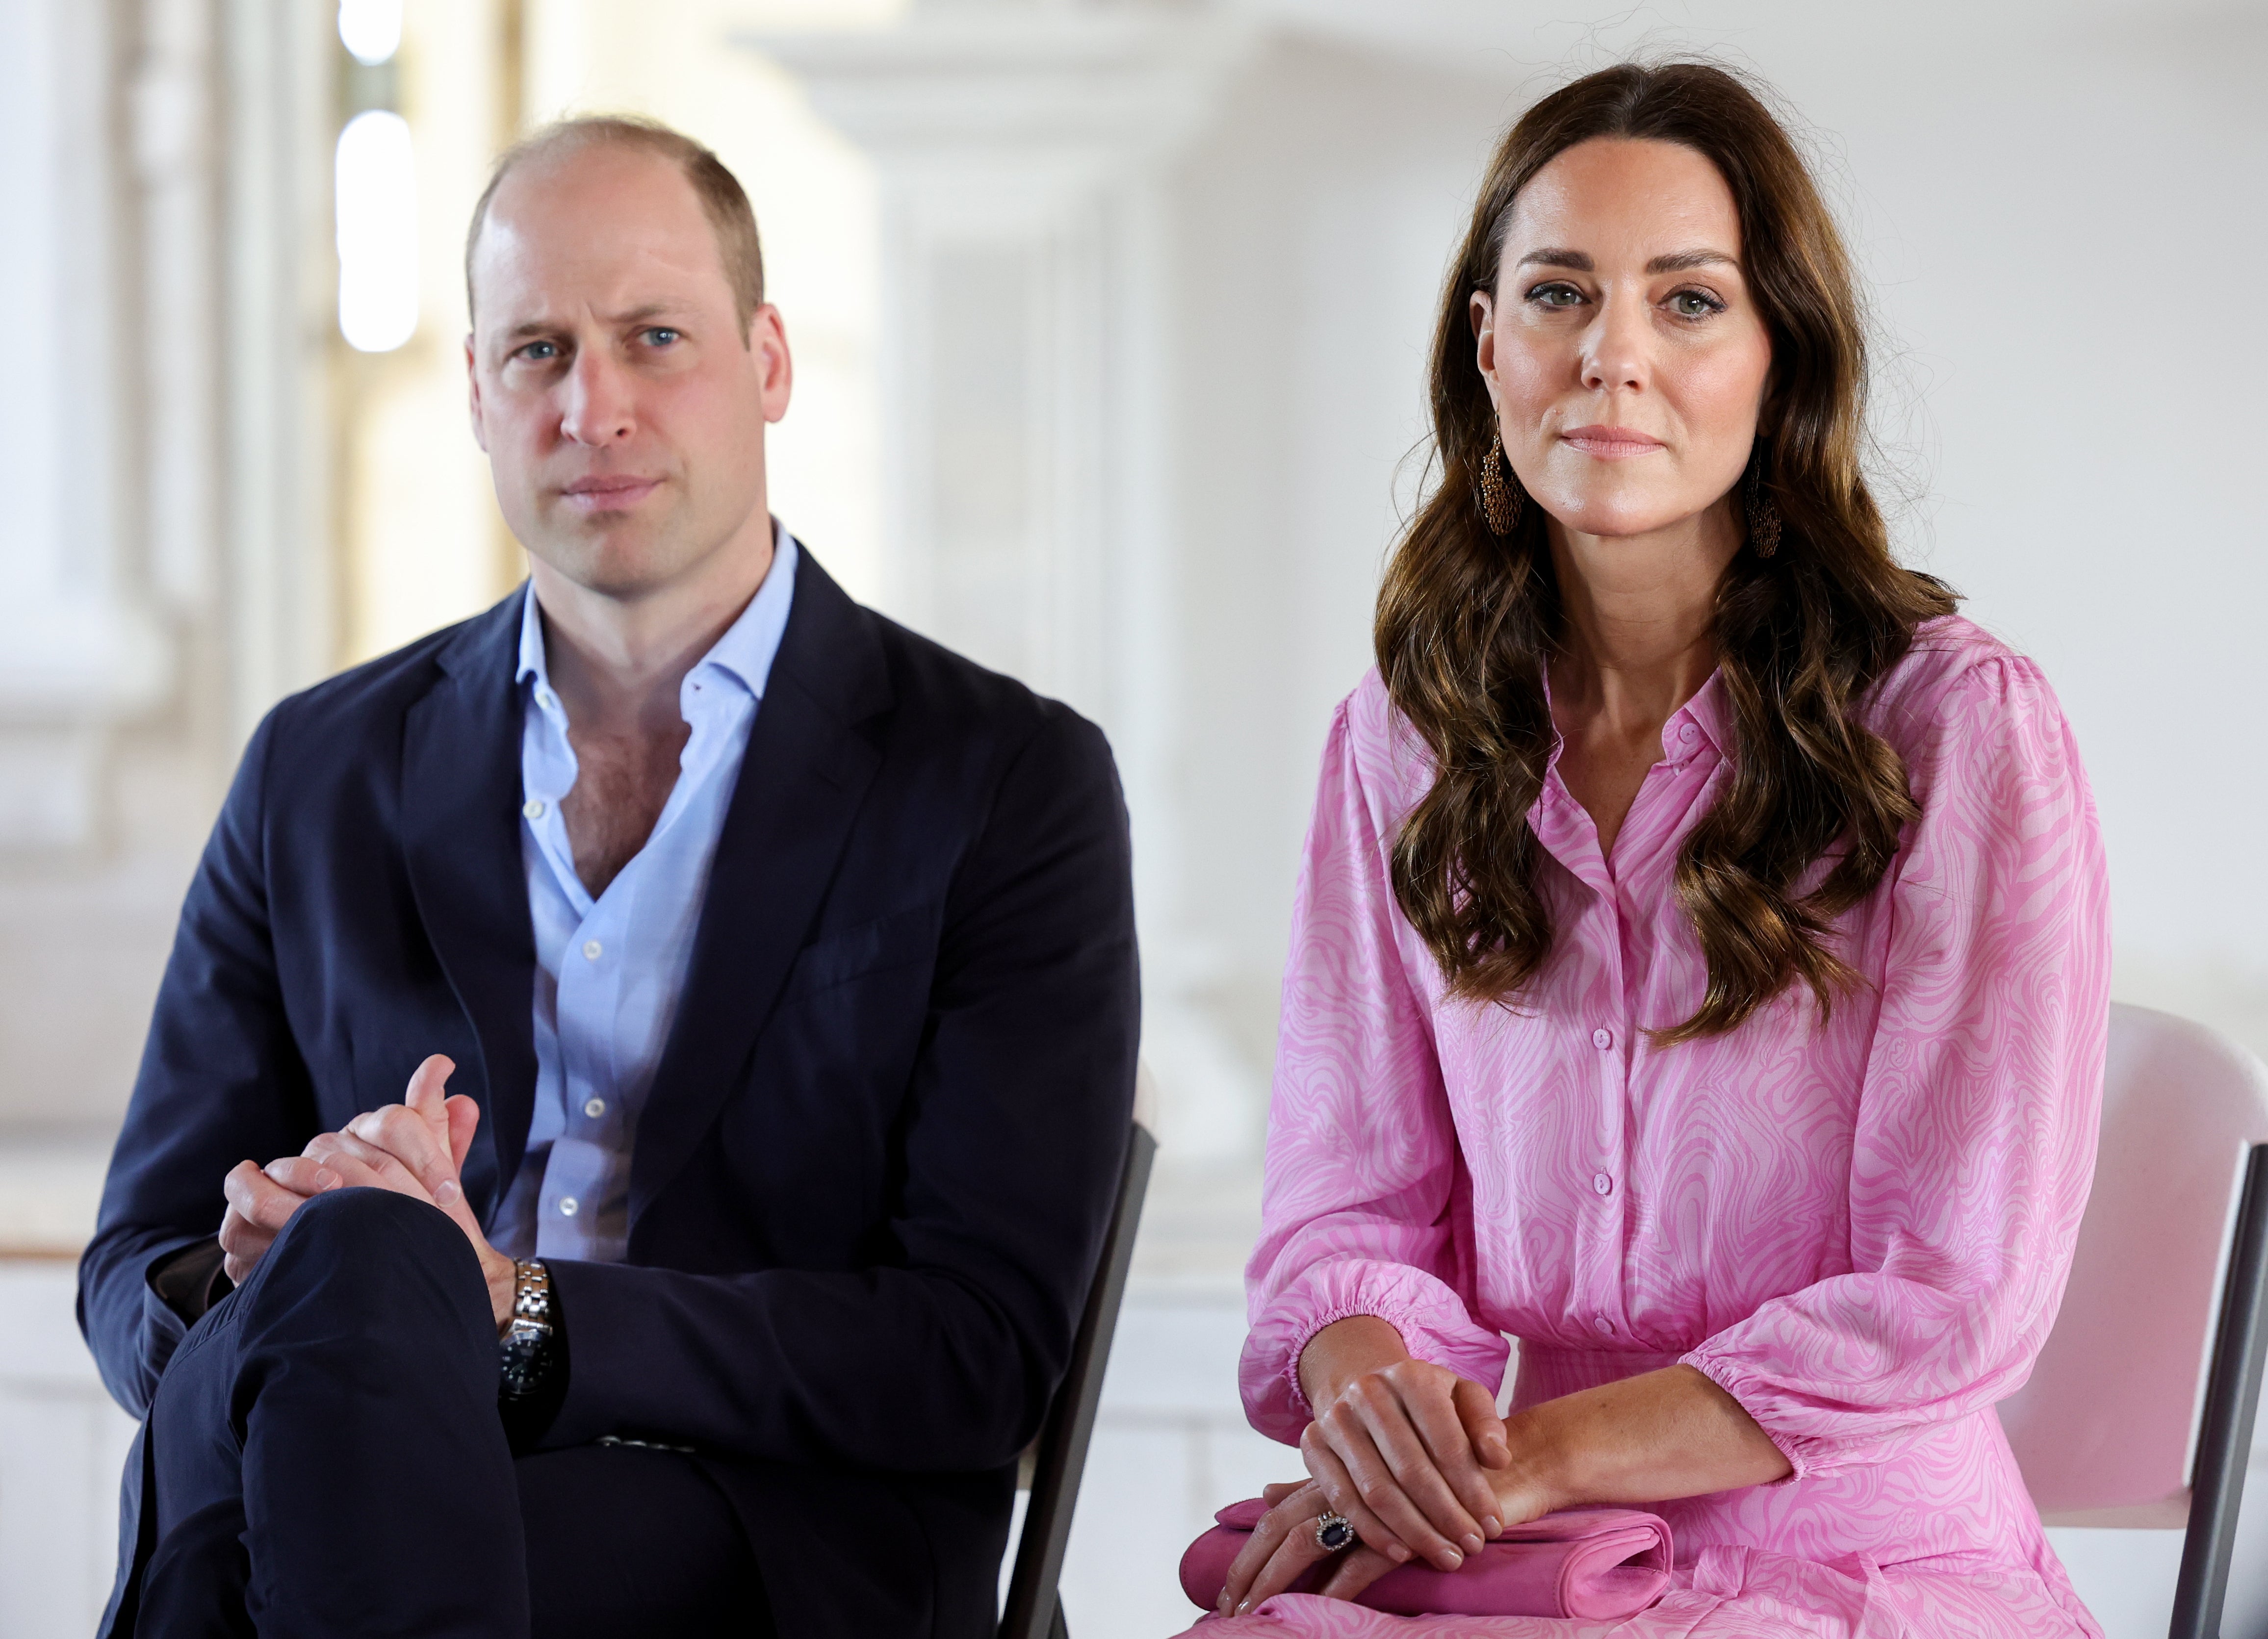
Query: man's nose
x=598, y=408
x=1618, y=348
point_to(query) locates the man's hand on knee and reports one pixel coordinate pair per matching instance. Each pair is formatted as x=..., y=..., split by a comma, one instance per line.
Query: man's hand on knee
x=415, y=1148
x=418, y=1148
x=261, y=1200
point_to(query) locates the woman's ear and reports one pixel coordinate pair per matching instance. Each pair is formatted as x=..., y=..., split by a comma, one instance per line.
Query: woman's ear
x=1482, y=311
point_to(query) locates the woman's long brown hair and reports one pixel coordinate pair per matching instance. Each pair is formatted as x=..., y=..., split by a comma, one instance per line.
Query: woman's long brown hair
x=1468, y=621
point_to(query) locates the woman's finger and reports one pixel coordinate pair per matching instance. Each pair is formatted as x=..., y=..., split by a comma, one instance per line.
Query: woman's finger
x=1441, y=1424
x=1346, y=1497
x=1476, y=1409
x=1286, y=1512
x=1293, y=1556
x=1396, y=1478
x=1357, y=1568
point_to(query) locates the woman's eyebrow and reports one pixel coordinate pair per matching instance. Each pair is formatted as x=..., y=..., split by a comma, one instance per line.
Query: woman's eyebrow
x=1575, y=260
x=1685, y=260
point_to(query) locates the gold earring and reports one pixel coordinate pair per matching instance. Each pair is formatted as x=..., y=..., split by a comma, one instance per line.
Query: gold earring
x=1764, y=517
x=1499, y=492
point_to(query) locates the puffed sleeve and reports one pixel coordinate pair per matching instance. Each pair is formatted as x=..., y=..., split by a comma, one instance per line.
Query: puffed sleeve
x=1976, y=1133
x=1362, y=1196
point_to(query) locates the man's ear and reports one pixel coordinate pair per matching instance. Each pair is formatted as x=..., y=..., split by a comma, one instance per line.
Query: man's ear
x=472, y=394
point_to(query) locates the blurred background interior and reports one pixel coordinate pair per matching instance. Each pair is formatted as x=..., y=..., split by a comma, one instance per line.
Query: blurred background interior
x=1110, y=321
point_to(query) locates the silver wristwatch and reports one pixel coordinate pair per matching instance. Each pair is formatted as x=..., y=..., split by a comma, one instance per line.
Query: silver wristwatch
x=526, y=1350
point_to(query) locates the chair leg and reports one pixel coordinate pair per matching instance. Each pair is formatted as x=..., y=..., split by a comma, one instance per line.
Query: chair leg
x=1058, y=1629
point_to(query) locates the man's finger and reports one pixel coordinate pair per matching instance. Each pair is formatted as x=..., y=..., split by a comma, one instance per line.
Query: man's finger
x=258, y=1199
x=302, y=1176
x=408, y=1138
x=365, y=1165
x=428, y=1085
x=464, y=1122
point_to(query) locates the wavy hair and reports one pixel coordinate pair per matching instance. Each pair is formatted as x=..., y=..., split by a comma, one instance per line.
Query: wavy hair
x=1468, y=621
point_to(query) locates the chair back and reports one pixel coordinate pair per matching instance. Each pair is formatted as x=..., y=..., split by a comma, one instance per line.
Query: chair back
x=2105, y=1431
x=1033, y=1609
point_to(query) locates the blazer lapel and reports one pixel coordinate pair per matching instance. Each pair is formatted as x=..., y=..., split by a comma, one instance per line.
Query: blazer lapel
x=460, y=839
x=806, y=772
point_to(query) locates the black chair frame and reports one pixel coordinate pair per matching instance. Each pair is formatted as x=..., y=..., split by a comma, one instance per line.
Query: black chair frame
x=2232, y=1398
x=1034, y=1605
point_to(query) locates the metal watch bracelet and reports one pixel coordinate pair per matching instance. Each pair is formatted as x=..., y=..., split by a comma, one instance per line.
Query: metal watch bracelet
x=524, y=1352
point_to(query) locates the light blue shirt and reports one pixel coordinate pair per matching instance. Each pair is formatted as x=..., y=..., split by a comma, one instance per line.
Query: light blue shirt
x=609, y=971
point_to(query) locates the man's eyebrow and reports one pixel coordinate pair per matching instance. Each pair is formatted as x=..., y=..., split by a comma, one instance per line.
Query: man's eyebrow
x=1686, y=260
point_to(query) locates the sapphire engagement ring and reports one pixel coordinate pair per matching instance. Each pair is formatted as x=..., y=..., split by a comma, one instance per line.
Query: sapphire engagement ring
x=1333, y=1533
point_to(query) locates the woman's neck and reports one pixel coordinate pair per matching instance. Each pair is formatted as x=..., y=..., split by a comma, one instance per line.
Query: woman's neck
x=1641, y=614
x=1640, y=641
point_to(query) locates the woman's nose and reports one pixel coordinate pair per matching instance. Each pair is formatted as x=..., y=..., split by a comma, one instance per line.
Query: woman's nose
x=1618, y=350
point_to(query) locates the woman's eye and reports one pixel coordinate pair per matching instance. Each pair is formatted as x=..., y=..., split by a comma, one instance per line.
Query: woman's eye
x=1694, y=304
x=1555, y=296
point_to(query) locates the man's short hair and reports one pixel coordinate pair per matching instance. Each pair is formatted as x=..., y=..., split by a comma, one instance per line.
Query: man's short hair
x=722, y=199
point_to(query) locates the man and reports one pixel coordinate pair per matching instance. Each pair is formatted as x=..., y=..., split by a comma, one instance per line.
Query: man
x=779, y=968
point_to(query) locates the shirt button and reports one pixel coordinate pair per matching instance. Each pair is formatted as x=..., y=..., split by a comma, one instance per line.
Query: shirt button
x=1606, y=1326
x=590, y=949
x=1603, y=1040
x=595, y=1108
x=567, y=1204
x=533, y=808
x=1600, y=1182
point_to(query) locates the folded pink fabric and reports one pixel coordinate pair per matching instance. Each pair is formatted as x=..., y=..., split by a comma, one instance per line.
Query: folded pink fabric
x=1604, y=1563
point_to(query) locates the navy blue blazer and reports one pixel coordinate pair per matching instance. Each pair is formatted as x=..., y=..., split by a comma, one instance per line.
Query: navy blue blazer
x=870, y=1184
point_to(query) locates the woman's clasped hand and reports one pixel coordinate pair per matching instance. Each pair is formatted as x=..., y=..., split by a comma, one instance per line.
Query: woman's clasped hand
x=1408, y=1453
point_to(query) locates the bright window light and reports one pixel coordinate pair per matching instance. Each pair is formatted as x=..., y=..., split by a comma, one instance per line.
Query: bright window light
x=376, y=187
x=370, y=29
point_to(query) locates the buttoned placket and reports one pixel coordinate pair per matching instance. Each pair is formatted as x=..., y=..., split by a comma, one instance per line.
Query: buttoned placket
x=1604, y=1218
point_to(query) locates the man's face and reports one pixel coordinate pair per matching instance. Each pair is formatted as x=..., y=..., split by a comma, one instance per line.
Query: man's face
x=620, y=404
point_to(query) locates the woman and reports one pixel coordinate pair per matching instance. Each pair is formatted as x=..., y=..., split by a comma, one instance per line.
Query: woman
x=1700, y=967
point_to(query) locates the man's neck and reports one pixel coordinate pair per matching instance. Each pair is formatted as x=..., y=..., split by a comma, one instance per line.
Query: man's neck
x=617, y=663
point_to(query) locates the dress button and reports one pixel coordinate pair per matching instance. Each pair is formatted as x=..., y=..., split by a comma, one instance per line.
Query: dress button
x=595, y=1108
x=1603, y=1040
x=533, y=808
x=1606, y=1326
x=590, y=949
x=1689, y=734
x=1600, y=1182
x=567, y=1204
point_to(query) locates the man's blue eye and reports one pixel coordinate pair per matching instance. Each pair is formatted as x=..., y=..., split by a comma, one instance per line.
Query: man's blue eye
x=661, y=335
x=538, y=351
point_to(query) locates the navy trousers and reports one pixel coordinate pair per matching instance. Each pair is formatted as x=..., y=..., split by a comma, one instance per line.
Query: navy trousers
x=326, y=1458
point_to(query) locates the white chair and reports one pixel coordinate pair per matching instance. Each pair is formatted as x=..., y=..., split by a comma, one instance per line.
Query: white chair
x=2139, y=1412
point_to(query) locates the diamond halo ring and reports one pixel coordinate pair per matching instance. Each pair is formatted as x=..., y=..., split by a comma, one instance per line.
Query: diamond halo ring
x=1333, y=1533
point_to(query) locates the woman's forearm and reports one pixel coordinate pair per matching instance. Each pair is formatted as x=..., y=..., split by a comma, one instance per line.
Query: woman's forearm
x=1649, y=1438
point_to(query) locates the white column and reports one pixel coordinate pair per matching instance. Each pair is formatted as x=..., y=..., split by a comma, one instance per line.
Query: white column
x=1021, y=147
x=79, y=648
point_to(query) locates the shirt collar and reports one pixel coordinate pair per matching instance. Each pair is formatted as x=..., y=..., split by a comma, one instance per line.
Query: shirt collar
x=1705, y=712
x=746, y=651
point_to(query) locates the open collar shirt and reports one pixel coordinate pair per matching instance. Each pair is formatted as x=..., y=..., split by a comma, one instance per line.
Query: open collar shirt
x=609, y=971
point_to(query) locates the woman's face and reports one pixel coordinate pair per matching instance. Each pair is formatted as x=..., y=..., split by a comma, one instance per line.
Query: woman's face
x=1624, y=356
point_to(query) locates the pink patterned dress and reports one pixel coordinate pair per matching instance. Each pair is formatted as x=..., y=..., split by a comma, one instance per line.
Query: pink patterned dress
x=1859, y=1229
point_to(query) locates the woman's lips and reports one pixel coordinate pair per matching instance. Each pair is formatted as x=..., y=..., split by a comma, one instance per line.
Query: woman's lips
x=1611, y=444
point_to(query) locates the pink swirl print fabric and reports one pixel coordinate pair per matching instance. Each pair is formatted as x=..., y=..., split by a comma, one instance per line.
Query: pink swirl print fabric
x=1859, y=1228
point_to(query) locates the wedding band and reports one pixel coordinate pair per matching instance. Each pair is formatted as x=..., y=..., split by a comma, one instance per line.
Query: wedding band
x=1333, y=1533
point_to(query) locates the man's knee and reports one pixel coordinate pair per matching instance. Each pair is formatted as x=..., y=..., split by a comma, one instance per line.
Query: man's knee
x=375, y=1249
